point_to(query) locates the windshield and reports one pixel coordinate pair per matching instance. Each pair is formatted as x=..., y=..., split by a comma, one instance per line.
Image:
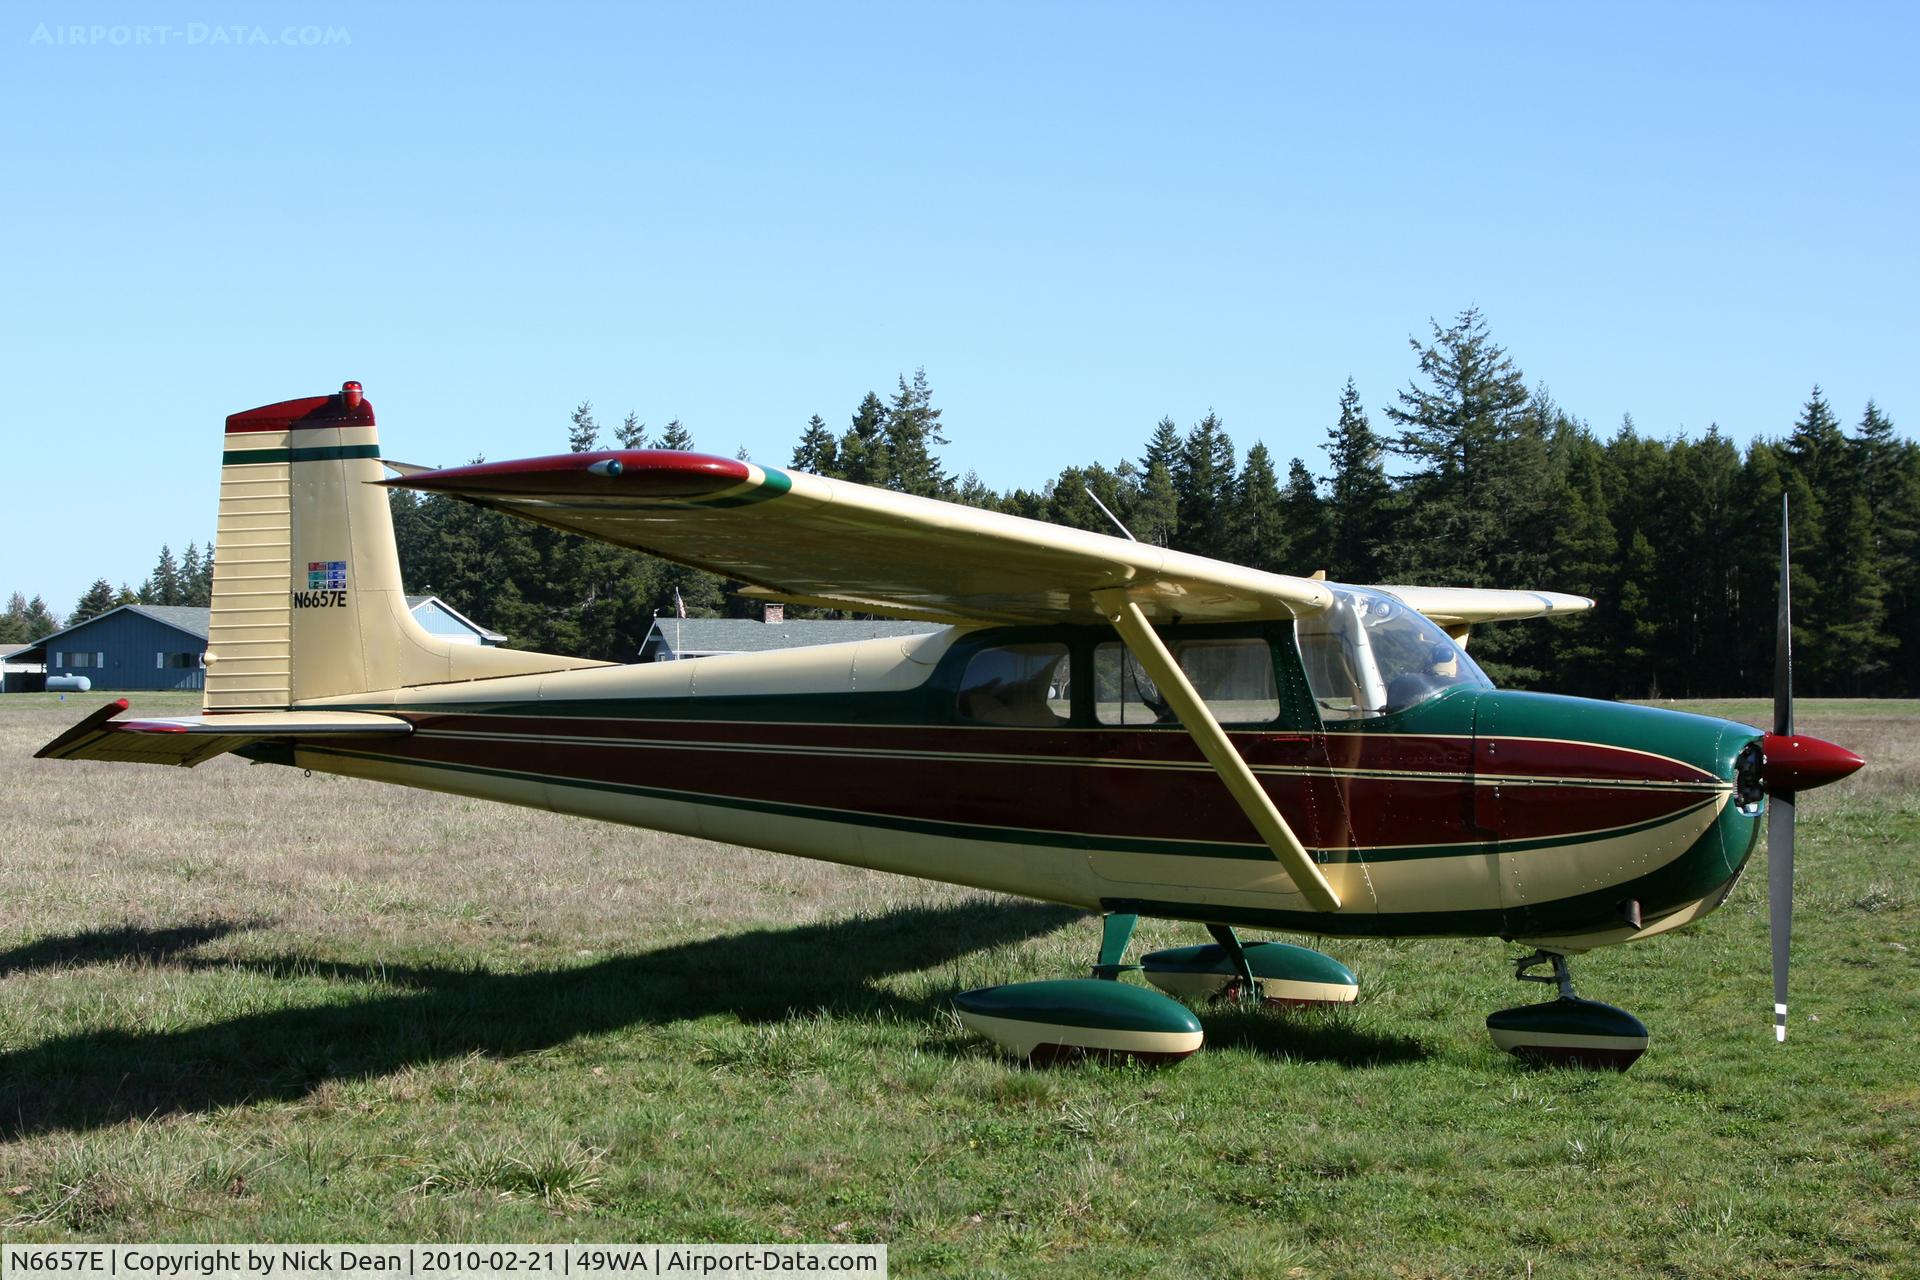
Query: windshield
x=1369, y=654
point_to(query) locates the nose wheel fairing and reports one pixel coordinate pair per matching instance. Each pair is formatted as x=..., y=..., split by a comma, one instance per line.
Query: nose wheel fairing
x=1566, y=1031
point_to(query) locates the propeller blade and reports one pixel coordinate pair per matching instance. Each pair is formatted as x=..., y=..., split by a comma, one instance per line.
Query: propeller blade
x=1780, y=803
x=1783, y=639
x=1780, y=900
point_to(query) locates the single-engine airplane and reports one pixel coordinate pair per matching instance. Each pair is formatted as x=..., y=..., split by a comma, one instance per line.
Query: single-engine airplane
x=1097, y=722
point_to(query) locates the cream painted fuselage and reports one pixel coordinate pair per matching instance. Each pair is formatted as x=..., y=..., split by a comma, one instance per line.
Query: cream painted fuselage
x=1477, y=813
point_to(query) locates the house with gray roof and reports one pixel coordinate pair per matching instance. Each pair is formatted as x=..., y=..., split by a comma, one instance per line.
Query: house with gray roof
x=159, y=646
x=134, y=646
x=670, y=639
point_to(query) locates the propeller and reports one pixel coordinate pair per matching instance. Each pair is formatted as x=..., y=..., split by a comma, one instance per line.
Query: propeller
x=1789, y=764
x=1780, y=811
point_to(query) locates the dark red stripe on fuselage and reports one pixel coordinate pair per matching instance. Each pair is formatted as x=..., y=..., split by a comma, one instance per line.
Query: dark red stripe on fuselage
x=1137, y=784
x=1417, y=753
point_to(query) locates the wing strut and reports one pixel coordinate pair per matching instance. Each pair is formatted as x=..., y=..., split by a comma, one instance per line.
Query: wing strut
x=1219, y=750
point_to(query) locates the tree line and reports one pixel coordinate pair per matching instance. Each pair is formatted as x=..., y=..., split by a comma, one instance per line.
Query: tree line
x=186, y=580
x=1470, y=477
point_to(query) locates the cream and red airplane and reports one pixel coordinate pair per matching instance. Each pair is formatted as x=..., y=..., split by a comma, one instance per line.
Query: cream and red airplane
x=1097, y=722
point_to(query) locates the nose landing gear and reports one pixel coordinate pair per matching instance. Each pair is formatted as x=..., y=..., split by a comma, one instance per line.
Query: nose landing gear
x=1567, y=1031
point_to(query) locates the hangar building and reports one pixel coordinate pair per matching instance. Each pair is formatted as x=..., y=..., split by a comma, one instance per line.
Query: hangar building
x=157, y=646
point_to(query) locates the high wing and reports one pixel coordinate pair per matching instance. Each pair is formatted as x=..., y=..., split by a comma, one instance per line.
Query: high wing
x=190, y=740
x=1465, y=606
x=804, y=539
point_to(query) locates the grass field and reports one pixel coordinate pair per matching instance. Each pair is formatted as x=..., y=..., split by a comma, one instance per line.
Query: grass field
x=237, y=1003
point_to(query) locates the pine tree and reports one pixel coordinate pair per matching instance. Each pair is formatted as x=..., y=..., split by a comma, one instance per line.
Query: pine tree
x=1889, y=468
x=1586, y=559
x=1458, y=426
x=13, y=623
x=27, y=620
x=1637, y=630
x=631, y=433
x=1359, y=493
x=41, y=621
x=1817, y=448
x=193, y=578
x=97, y=600
x=1305, y=515
x=912, y=430
x=1756, y=555
x=1163, y=448
x=1475, y=399
x=163, y=585
x=1069, y=505
x=125, y=595
x=583, y=436
x=1203, y=485
x=863, y=449
x=1480, y=511
x=677, y=437
x=973, y=492
x=1856, y=633
x=203, y=588
x=818, y=452
x=1156, y=511
x=1261, y=538
x=1839, y=590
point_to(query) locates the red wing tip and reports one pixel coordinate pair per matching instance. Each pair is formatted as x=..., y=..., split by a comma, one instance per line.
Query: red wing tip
x=149, y=726
x=649, y=473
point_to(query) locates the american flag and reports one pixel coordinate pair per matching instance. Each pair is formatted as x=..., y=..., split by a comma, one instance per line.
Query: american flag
x=679, y=605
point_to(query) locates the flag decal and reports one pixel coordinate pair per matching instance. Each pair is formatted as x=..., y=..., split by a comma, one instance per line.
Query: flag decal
x=326, y=575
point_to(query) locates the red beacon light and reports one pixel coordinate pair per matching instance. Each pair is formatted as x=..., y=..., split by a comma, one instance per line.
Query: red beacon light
x=352, y=393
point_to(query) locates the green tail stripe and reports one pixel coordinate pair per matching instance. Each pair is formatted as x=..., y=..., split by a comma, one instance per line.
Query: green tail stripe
x=328, y=453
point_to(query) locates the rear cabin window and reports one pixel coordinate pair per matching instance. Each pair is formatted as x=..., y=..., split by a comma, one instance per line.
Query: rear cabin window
x=1233, y=677
x=1018, y=684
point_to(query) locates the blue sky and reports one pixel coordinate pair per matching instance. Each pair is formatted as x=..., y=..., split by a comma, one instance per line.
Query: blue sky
x=1078, y=218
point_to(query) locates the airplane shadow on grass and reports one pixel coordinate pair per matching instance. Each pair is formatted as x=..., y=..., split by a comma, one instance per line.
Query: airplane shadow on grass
x=127, y=944
x=98, y=1078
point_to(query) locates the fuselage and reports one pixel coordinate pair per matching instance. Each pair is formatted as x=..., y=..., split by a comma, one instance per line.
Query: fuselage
x=1024, y=760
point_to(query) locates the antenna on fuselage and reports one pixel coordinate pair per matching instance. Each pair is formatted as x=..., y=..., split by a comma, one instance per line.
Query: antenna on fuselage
x=1108, y=514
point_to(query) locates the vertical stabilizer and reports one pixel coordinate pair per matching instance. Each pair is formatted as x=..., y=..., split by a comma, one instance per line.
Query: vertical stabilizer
x=307, y=596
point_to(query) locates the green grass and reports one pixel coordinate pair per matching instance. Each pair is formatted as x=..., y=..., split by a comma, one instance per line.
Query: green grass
x=241, y=1004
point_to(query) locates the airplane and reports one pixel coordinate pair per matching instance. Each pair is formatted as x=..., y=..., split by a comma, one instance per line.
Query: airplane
x=1095, y=721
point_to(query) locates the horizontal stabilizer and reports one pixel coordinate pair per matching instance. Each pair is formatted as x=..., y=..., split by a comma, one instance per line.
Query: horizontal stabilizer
x=188, y=740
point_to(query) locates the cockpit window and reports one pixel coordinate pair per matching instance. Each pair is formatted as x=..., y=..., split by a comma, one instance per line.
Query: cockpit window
x=1369, y=654
x=1022, y=684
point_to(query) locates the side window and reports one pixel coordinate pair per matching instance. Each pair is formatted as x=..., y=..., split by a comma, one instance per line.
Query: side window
x=1233, y=677
x=1020, y=684
x=1123, y=693
x=1330, y=667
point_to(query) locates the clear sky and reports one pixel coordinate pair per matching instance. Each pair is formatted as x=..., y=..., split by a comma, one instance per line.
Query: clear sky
x=1077, y=217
